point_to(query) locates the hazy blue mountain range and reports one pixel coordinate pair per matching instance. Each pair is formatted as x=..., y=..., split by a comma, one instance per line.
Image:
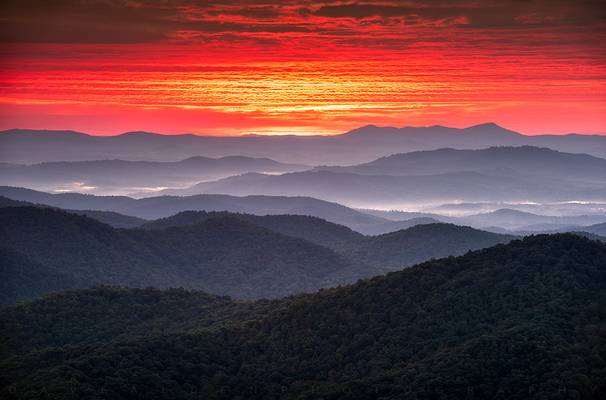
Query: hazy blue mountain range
x=359, y=145
x=519, y=220
x=526, y=160
x=566, y=208
x=118, y=176
x=243, y=256
x=396, y=215
x=505, y=220
x=499, y=174
x=526, y=317
x=387, y=191
x=597, y=229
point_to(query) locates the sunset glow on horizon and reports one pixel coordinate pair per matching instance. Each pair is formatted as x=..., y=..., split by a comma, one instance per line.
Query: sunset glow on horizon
x=324, y=67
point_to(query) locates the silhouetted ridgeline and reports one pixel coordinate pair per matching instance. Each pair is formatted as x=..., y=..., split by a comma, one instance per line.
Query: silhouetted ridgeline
x=359, y=145
x=516, y=321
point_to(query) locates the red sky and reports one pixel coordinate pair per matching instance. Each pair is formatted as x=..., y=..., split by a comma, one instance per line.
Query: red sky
x=229, y=67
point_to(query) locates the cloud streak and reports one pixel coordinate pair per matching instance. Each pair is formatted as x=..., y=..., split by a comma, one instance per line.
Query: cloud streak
x=323, y=65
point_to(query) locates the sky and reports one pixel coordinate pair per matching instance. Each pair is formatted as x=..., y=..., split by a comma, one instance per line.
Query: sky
x=292, y=67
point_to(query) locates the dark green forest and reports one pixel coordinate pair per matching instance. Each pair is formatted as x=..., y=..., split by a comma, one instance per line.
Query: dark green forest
x=525, y=320
x=310, y=228
x=24, y=279
x=391, y=251
x=239, y=255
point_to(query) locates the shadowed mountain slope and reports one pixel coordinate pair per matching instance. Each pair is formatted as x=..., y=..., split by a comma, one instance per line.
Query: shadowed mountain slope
x=391, y=251
x=313, y=229
x=527, y=317
x=22, y=279
x=243, y=256
x=221, y=255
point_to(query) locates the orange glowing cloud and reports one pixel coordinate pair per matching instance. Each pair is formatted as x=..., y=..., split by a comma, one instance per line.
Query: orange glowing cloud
x=298, y=67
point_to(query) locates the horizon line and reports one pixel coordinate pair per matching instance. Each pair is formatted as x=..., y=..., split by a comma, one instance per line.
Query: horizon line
x=319, y=134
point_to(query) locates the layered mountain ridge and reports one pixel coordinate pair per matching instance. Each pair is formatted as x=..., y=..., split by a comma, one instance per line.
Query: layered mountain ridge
x=526, y=317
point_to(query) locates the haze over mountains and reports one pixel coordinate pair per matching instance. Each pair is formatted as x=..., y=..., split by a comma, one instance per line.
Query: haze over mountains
x=514, y=174
x=120, y=177
x=360, y=145
x=564, y=182
x=526, y=160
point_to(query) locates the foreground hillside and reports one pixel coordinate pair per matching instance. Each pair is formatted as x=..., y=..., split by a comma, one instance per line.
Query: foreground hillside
x=240, y=255
x=517, y=321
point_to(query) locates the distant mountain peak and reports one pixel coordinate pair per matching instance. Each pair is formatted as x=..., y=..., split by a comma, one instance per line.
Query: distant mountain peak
x=449, y=150
x=370, y=129
x=510, y=212
x=138, y=134
x=490, y=127
x=369, y=126
x=195, y=159
x=484, y=128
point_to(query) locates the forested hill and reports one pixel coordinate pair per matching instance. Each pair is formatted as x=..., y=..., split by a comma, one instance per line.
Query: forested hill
x=305, y=227
x=243, y=256
x=419, y=243
x=22, y=279
x=221, y=255
x=516, y=321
